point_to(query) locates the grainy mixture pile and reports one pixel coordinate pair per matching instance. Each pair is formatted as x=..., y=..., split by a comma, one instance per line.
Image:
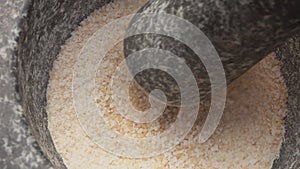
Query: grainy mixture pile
x=249, y=135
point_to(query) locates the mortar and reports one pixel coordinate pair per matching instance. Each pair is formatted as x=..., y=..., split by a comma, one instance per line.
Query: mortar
x=49, y=24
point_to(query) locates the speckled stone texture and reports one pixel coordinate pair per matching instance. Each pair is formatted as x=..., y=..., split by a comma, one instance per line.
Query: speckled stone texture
x=243, y=32
x=289, y=55
x=47, y=25
x=18, y=149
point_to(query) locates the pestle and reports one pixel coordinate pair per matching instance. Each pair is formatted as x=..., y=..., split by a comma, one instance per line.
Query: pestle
x=242, y=32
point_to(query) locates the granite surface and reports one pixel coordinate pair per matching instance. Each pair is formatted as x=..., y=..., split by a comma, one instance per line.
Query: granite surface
x=243, y=33
x=18, y=148
x=289, y=56
x=43, y=31
x=46, y=27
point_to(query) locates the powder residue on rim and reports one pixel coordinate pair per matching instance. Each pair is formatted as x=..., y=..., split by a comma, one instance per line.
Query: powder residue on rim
x=249, y=135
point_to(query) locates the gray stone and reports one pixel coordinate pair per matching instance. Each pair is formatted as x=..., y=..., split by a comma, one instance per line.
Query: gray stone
x=47, y=25
x=18, y=149
x=289, y=56
x=243, y=33
x=45, y=28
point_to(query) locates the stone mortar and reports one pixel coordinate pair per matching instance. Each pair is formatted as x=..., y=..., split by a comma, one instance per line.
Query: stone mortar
x=49, y=23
